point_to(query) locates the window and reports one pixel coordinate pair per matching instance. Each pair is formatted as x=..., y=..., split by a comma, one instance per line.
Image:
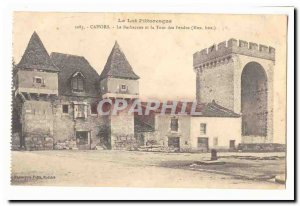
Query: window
x=38, y=80
x=202, y=128
x=65, y=108
x=174, y=125
x=174, y=142
x=203, y=144
x=215, y=142
x=94, y=108
x=123, y=88
x=231, y=144
x=80, y=110
x=82, y=137
x=78, y=83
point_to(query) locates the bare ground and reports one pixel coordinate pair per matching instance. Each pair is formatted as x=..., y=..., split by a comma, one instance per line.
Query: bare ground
x=146, y=169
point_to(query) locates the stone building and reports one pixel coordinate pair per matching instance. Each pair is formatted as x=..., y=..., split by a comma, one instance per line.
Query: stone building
x=202, y=130
x=118, y=81
x=239, y=76
x=56, y=98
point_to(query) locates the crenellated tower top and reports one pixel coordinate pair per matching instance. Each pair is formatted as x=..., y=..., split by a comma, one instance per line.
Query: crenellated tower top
x=224, y=50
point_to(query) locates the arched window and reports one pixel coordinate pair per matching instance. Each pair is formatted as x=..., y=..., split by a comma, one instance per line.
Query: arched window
x=77, y=82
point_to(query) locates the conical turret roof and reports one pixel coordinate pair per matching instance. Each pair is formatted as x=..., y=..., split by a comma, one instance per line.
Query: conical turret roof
x=36, y=56
x=117, y=65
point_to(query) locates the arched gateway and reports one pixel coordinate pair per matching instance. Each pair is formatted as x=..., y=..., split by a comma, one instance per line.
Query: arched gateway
x=254, y=100
x=239, y=76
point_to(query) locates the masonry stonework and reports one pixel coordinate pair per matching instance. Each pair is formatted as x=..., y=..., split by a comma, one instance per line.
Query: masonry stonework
x=57, y=95
x=56, y=98
x=166, y=134
x=37, y=125
x=219, y=70
x=122, y=131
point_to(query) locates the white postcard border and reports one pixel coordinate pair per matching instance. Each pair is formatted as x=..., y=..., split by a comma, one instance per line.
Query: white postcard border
x=96, y=193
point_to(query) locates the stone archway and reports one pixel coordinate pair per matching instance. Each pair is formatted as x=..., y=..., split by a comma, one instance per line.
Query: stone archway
x=254, y=100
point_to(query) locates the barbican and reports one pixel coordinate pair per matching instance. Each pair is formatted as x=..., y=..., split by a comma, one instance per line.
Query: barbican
x=132, y=27
x=56, y=98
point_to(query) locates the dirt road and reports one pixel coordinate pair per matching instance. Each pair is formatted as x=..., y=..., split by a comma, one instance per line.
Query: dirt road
x=144, y=169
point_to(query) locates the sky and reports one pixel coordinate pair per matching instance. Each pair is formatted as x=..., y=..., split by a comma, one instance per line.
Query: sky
x=163, y=58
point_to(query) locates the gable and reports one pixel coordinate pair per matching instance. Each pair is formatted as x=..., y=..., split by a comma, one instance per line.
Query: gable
x=70, y=66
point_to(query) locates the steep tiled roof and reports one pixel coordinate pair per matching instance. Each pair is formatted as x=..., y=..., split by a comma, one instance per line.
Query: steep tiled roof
x=69, y=65
x=145, y=123
x=117, y=65
x=211, y=109
x=214, y=110
x=36, y=56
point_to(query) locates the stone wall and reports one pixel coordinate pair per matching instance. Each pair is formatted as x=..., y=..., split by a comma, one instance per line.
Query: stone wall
x=268, y=67
x=26, y=83
x=216, y=83
x=162, y=125
x=112, y=85
x=66, y=124
x=218, y=129
x=37, y=125
x=217, y=53
x=15, y=141
x=150, y=137
x=122, y=131
x=219, y=69
x=46, y=126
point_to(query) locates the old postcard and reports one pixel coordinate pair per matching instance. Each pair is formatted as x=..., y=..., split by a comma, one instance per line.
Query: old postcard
x=149, y=100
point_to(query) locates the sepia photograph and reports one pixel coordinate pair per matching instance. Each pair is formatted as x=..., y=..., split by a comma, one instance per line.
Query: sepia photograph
x=143, y=100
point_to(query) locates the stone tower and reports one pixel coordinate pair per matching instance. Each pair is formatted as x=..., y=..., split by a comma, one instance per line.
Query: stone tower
x=118, y=81
x=239, y=76
x=36, y=87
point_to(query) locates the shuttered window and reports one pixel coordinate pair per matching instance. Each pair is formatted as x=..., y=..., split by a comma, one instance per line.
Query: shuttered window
x=202, y=128
x=78, y=83
x=174, y=125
